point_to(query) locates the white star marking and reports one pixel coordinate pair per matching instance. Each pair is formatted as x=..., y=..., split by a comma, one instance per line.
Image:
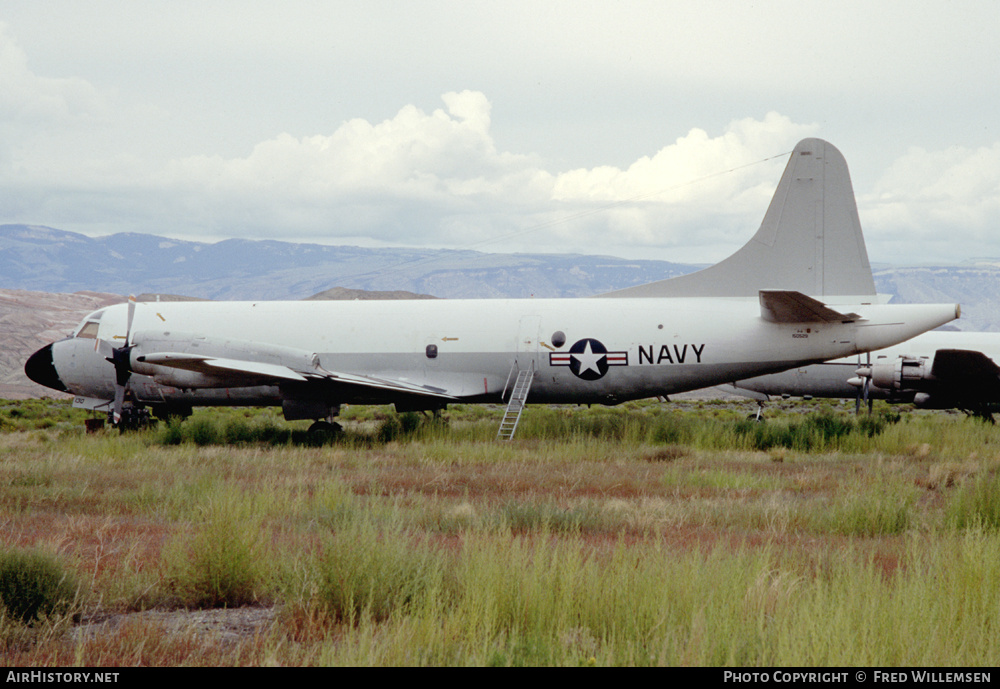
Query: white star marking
x=588, y=360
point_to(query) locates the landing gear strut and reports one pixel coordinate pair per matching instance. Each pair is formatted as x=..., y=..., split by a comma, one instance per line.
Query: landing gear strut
x=759, y=416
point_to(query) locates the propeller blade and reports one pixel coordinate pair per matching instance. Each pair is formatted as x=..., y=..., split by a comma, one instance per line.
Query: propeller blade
x=128, y=322
x=104, y=348
x=121, y=359
x=857, y=398
x=116, y=414
x=867, y=386
x=863, y=382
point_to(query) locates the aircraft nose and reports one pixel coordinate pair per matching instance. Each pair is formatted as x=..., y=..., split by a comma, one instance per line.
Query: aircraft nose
x=41, y=369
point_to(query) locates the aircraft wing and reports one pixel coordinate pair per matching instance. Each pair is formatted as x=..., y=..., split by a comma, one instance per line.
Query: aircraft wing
x=215, y=366
x=390, y=384
x=786, y=306
x=241, y=373
x=967, y=369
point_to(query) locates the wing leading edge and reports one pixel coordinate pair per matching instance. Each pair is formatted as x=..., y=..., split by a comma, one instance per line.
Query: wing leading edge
x=210, y=371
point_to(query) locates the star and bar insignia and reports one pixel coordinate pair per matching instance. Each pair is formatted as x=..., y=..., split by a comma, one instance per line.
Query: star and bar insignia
x=588, y=359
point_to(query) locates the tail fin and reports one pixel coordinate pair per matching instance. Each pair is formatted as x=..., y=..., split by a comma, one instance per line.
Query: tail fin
x=810, y=240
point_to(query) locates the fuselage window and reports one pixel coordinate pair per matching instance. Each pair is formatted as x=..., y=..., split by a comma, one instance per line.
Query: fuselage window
x=89, y=330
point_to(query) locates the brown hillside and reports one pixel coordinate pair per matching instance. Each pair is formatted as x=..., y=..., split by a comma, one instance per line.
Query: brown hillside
x=30, y=320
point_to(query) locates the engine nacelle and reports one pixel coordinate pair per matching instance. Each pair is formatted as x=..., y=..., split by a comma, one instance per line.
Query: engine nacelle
x=185, y=380
x=923, y=400
x=903, y=373
x=153, y=350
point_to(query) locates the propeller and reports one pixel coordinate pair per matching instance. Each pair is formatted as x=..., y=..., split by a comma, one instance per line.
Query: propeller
x=121, y=359
x=857, y=399
x=865, y=374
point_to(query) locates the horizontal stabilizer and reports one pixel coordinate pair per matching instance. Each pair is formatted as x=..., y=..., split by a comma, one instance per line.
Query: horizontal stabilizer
x=784, y=306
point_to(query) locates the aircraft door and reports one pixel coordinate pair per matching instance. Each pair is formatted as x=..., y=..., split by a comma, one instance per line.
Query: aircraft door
x=526, y=354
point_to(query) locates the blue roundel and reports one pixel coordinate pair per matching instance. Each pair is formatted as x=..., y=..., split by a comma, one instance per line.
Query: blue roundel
x=588, y=359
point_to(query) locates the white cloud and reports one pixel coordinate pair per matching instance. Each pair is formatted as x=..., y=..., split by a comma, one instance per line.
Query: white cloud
x=438, y=179
x=694, y=167
x=371, y=179
x=432, y=179
x=76, y=156
x=412, y=153
x=121, y=116
x=27, y=97
x=699, y=191
x=947, y=202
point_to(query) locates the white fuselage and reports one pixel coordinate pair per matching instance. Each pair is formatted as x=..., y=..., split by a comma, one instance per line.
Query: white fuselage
x=582, y=350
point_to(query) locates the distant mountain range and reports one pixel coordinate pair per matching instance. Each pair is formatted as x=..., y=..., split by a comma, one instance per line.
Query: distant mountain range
x=975, y=286
x=50, y=260
x=30, y=320
x=44, y=259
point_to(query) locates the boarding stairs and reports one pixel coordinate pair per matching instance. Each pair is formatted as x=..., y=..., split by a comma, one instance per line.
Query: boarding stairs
x=522, y=384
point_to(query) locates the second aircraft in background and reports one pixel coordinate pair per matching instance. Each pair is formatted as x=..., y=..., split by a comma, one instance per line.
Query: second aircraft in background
x=936, y=370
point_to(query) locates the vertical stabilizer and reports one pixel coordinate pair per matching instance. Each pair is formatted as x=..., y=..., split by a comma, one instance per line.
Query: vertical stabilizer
x=810, y=240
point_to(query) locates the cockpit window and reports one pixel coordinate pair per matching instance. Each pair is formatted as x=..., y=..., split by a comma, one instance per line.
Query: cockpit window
x=89, y=330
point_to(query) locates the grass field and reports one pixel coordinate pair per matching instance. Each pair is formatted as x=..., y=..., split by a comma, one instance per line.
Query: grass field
x=646, y=534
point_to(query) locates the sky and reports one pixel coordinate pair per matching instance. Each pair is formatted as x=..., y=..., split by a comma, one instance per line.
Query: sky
x=633, y=129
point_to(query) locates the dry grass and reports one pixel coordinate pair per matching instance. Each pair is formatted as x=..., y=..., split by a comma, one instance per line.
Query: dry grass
x=444, y=547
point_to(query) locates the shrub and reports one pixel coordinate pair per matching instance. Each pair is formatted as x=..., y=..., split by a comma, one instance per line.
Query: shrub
x=390, y=429
x=409, y=421
x=34, y=585
x=818, y=432
x=173, y=432
x=237, y=431
x=223, y=565
x=398, y=426
x=203, y=431
x=366, y=574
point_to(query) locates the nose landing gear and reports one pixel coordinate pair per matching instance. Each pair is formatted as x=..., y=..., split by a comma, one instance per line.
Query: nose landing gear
x=133, y=418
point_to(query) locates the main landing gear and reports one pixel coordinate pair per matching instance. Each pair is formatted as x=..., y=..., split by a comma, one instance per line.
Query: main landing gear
x=323, y=431
x=982, y=411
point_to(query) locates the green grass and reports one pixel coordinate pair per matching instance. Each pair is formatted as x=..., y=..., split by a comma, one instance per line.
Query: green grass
x=977, y=503
x=222, y=562
x=26, y=415
x=643, y=535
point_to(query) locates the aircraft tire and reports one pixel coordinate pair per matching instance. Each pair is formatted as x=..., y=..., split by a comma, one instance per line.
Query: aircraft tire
x=135, y=419
x=325, y=431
